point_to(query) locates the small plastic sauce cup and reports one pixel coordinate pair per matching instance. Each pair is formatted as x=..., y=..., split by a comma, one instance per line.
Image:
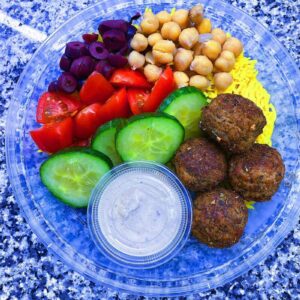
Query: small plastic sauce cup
x=140, y=214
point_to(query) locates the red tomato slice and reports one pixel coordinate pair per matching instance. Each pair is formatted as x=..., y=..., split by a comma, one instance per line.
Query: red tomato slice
x=96, y=89
x=54, y=107
x=129, y=78
x=136, y=99
x=116, y=106
x=88, y=120
x=71, y=100
x=54, y=137
x=162, y=88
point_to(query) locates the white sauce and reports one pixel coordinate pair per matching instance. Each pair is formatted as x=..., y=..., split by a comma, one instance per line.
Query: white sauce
x=139, y=213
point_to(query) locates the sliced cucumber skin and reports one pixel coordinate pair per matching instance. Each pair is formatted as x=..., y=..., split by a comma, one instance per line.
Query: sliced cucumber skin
x=115, y=123
x=97, y=140
x=179, y=95
x=147, y=116
x=184, y=91
x=157, y=114
x=93, y=154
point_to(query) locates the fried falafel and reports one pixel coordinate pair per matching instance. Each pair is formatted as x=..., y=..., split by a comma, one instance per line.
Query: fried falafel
x=233, y=121
x=200, y=164
x=257, y=173
x=220, y=217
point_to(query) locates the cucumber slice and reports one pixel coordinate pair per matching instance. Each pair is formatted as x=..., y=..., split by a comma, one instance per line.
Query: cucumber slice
x=152, y=136
x=104, y=139
x=71, y=174
x=186, y=105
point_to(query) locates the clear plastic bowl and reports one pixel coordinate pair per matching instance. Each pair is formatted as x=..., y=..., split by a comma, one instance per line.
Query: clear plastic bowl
x=178, y=221
x=196, y=268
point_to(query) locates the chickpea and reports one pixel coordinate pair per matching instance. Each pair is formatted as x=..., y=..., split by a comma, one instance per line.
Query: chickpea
x=149, y=58
x=234, y=45
x=222, y=81
x=211, y=49
x=153, y=38
x=183, y=59
x=201, y=65
x=222, y=64
x=198, y=49
x=163, y=51
x=188, y=37
x=218, y=35
x=163, y=17
x=165, y=46
x=136, y=60
x=181, y=17
x=229, y=56
x=181, y=79
x=170, y=31
x=200, y=82
x=139, y=42
x=196, y=14
x=205, y=26
x=152, y=72
x=150, y=23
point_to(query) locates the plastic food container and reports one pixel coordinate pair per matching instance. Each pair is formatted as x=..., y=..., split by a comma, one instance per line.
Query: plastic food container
x=196, y=267
x=140, y=215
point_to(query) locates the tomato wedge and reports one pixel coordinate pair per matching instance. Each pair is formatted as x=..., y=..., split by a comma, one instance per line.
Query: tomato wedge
x=88, y=120
x=55, y=136
x=94, y=115
x=116, y=106
x=129, y=78
x=71, y=100
x=96, y=89
x=54, y=107
x=136, y=99
x=162, y=88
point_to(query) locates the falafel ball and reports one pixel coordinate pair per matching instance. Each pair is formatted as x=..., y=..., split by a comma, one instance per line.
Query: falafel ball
x=233, y=121
x=257, y=173
x=220, y=217
x=200, y=164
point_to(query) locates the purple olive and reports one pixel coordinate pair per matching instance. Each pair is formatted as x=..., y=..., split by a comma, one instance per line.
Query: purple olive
x=113, y=24
x=90, y=37
x=65, y=63
x=67, y=82
x=101, y=65
x=98, y=51
x=82, y=67
x=108, y=71
x=53, y=86
x=124, y=50
x=104, y=68
x=114, y=40
x=117, y=60
x=131, y=31
x=76, y=49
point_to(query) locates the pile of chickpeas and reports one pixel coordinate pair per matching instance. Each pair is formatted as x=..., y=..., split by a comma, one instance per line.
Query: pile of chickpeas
x=174, y=39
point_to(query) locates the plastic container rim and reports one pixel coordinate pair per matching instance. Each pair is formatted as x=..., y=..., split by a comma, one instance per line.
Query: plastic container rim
x=14, y=173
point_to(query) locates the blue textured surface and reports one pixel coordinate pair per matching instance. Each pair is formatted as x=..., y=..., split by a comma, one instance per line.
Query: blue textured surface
x=26, y=269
